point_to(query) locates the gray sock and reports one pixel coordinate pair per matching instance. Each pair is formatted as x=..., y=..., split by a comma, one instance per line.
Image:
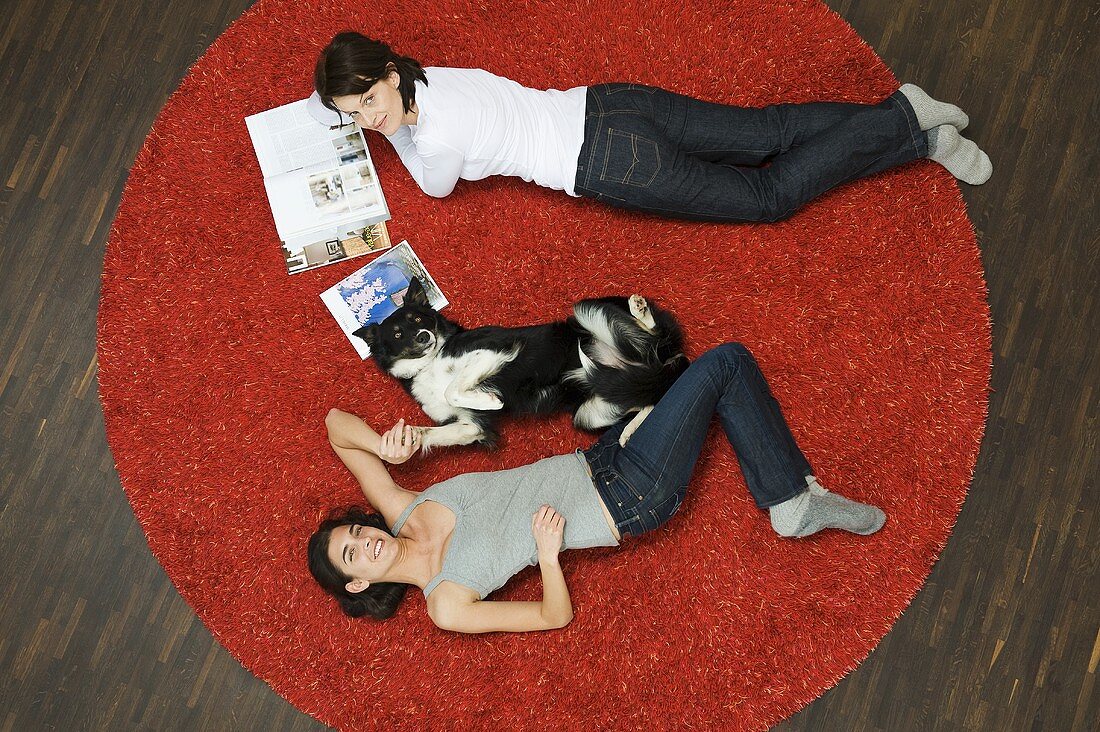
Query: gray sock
x=817, y=509
x=962, y=158
x=932, y=113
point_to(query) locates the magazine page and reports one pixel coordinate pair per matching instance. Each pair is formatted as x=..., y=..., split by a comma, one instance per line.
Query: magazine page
x=341, y=190
x=288, y=138
x=374, y=291
x=334, y=244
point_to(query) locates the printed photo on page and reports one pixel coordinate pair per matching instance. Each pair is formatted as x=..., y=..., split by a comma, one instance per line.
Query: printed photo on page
x=335, y=244
x=373, y=292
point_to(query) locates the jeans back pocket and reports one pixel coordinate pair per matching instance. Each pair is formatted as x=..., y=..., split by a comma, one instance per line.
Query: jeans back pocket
x=630, y=159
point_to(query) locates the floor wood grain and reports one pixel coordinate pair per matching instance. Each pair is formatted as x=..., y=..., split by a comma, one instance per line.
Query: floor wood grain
x=1004, y=636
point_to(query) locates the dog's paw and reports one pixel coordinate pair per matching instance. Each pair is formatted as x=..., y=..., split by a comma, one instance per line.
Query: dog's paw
x=455, y=433
x=633, y=425
x=479, y=400
x=426, y=437
x=639, y=308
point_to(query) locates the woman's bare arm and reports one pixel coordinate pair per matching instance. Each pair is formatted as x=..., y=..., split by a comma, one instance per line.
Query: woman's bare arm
x=365, y=453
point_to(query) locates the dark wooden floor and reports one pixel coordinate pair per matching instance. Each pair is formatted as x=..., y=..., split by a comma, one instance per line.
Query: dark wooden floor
x=1004, y=636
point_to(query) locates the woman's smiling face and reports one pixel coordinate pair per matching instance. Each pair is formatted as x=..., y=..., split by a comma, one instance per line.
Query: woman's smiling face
x=362, y=553
x=379, y=108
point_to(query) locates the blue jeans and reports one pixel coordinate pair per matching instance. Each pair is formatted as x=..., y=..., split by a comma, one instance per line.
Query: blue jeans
x=649, y=149
x=644, y=483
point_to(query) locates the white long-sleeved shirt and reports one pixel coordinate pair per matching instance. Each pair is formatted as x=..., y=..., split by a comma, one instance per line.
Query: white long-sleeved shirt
x=472, y=124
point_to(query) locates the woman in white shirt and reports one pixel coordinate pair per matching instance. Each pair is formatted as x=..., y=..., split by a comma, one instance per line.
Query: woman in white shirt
x=631, y=145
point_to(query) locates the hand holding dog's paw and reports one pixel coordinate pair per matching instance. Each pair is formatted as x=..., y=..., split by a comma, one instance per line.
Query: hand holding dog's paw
x=399, y=443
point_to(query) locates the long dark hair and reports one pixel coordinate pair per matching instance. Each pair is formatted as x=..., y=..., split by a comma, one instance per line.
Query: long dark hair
x=380, y=599
x=352, y=63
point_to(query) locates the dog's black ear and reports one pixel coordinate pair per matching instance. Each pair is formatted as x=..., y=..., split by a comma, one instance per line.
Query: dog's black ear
x=369, y=333
x=416, y=294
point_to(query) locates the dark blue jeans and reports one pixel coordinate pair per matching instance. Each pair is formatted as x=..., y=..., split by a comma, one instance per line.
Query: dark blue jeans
x=649, y=149
x=644, y=483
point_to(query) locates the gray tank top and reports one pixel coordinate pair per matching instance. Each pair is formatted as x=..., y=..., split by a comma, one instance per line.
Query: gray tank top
x=492, y=538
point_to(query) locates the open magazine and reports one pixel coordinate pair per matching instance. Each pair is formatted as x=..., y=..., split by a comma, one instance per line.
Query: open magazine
x=372, y=292
x=321, y=185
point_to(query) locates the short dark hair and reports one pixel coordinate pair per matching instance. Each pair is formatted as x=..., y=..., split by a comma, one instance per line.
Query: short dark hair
x=352, y=63
x=380, y=599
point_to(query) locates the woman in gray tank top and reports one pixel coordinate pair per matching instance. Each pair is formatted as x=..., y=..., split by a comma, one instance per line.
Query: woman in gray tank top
x=463, y=538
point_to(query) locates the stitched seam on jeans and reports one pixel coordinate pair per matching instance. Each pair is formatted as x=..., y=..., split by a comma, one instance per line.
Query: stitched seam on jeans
x=599, y=103
x=651, y=209
x=631, y=526
x=629, y=484
x=633, y=158
x=657, y=155
x=777, y=455
x=676, y=507
x=594, y=145
x=632, y=87
x=591, y=159
x=679, y=432
x=908, y=121
x=646, y=207
x=631, y=513
x=606, y=154
x=727, y=150
x=784, y=499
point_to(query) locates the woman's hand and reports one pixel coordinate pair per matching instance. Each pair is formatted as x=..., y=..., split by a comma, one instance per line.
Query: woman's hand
x=548, y=528
x=398, y=443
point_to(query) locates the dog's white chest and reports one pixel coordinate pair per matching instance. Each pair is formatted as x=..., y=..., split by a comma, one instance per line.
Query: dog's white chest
x=448, y=386
x=429, y=387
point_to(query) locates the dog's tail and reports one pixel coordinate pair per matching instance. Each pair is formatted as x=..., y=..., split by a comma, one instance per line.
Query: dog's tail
x=613, y=337
x=631, y=351
x=636, y=385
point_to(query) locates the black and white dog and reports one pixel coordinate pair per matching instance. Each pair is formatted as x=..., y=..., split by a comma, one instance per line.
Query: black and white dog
x=614, y=356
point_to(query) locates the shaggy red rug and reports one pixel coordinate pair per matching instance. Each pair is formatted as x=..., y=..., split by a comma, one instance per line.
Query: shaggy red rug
x=866, y=311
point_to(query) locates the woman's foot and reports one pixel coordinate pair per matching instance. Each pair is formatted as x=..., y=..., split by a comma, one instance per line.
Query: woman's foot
x=931, y=112
x=962, y=158
x=817, y=509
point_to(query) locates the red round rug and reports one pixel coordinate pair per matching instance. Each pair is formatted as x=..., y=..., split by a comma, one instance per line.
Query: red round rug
x=866, y=312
